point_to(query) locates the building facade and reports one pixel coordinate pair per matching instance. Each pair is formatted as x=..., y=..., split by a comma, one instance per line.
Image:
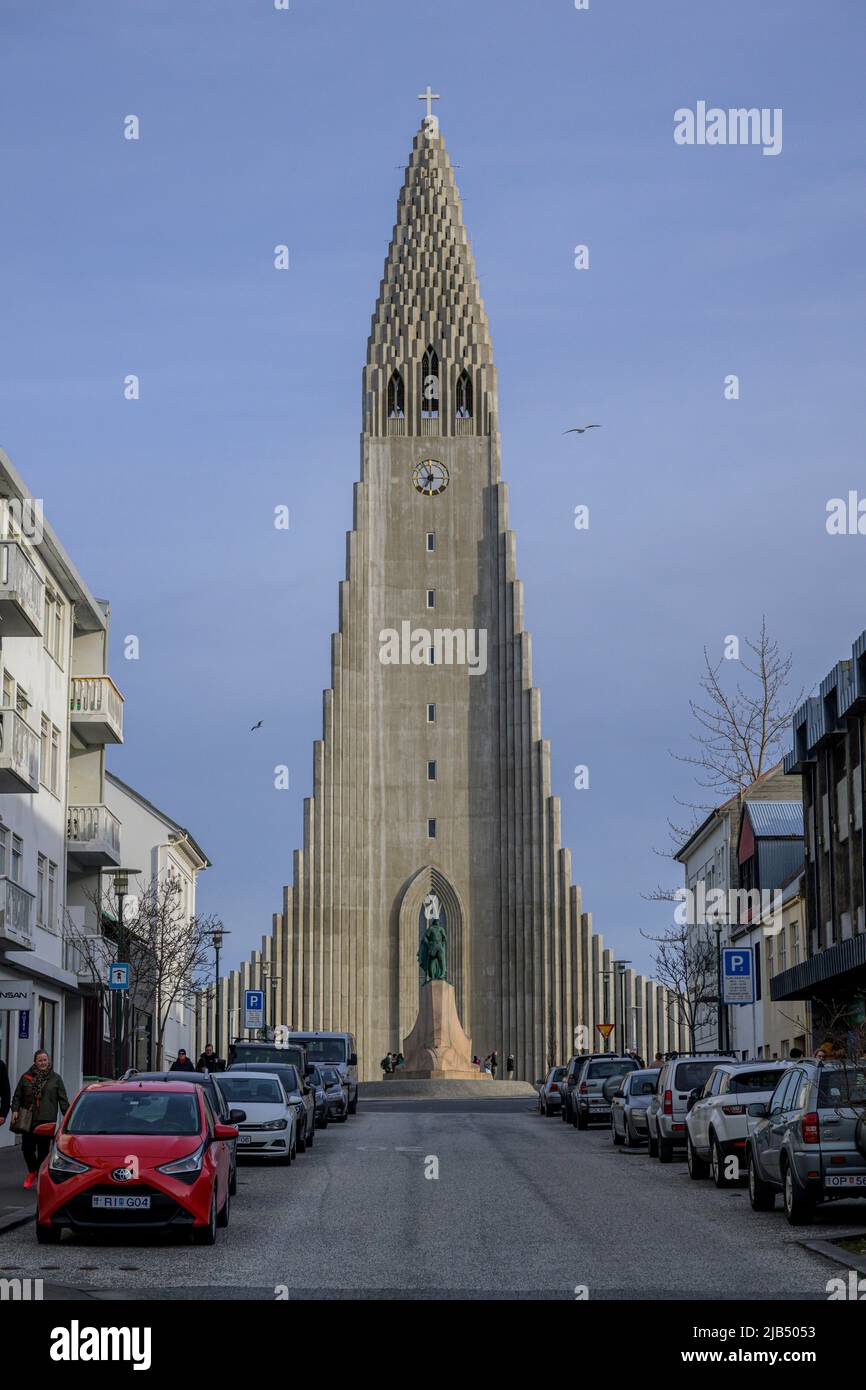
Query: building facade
x=828, y=757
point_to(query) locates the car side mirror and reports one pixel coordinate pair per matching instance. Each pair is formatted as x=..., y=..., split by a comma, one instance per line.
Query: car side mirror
x=237, y=1117
x=618, y=1095
x=225, y=1131
x=759, y=1110
x=46, y=1130
x=308, y=1071
x=538, y=1083
x=353, y=1060
x=693, y=1096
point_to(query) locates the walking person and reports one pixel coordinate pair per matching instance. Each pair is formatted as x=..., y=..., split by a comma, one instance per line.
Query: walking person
x=39, y=1098
x=181, y=1061
x=209, y=1061
x=494, y=1063
x=509, y=1067
x=5, y=1093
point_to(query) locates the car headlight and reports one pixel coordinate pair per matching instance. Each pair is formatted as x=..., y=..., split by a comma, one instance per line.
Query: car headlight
x=190, y=1164
x=275, y=1124
x=60, y=1162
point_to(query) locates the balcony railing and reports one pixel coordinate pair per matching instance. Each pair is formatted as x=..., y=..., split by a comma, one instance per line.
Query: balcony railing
x=93, y=835
x=21, y=593
x=96, y=709
x=16, y=915
x=19, y=753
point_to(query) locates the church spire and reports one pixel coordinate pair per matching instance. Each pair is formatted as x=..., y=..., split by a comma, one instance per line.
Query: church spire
x=429, y=356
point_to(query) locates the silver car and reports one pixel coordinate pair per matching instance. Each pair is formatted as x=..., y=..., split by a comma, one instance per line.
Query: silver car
x=628, y=1107
x=549, y=1094
x=681, y=1073
x=810, y=1139
x=336, y=1092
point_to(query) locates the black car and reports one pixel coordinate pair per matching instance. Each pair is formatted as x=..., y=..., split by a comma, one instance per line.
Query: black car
x=209, y=1083
x=301, y=1095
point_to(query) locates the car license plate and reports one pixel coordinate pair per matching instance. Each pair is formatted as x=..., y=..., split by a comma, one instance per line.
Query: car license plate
x=126, y=1203
x=245, y=1138
x=845, y=1180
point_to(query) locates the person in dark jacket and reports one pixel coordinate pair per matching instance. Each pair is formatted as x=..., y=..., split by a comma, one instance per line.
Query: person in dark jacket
x=181, y=1061
x=209, y=1061
x=5, y=1093
x=41, y=1091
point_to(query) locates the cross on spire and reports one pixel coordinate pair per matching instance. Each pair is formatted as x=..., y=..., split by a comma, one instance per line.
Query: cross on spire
x=429, y=96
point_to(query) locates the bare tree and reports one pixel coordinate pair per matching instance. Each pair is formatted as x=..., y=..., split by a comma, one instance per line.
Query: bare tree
x=167, y=951
x=685, y=963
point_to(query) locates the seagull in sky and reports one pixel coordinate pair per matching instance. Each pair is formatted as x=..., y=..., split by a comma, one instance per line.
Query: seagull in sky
x=256, y=726
x=582, y=429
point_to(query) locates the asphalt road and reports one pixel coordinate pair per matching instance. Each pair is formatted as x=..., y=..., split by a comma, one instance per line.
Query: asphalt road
x=522, y=1207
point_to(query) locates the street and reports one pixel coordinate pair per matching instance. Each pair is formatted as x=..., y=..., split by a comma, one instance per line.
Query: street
x=523, y=1207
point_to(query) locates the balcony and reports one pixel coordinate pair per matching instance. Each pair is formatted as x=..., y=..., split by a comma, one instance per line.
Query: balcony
x=21, y=594
x=93, y=836
x=19, y=754
x=16, y=916
x=96, y=710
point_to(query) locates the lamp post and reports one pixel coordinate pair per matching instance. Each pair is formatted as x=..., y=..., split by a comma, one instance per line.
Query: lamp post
x=268, y=977
x=217, y=938
x=120, y=880
x=619, y=967
x=720, y=1032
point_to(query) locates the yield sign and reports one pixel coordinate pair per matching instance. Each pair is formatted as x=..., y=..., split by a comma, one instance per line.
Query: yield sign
x=605, y=1029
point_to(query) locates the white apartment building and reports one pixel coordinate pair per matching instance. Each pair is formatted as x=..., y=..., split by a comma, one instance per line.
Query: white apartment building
x=59, y=709
x=161, y=850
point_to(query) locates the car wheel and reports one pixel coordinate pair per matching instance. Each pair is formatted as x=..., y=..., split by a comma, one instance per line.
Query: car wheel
x=581, y=1120
x=666, y=1151
x=48, y=1235
x=615, y=1136
x=697, y=1166
x=206, y=1235
x=233, y=1179
x=799, y=1204
x=323, y=1123
x=302, y=1139
x=717, y=1164
x=628, y=1138
x=294, y=1149
x=353, y=1105
x=652, y=1144
x=761, y=1195
x=343, y=1117
x=312, y=1134
x=223, y=1218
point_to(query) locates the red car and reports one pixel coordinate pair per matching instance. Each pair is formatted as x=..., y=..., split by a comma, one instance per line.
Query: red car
x=133, y=1155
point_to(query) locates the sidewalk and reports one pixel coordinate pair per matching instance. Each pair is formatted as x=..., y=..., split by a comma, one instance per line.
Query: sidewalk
x=16, y=1205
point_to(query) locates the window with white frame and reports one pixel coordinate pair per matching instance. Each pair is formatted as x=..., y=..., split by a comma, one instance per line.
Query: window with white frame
x=53, y=634
x=431, y=598
x=4, y=851
x=431, y=714
x=54, y=775
x=431, y=540
x=41, y=884
x=8, y=689
x=17, y=858
x=44, y=750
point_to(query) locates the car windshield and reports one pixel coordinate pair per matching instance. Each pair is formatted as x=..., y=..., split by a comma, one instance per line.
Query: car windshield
x=842, y=1086
x=615, y=1067
x=557, y=1074
x=249, y=1052
x=331, y=1076
x=246, y=1085
x=692, y=1074
x=643, y=1083
x=756, y=1080
x=324, y=1049
x=134, y=1112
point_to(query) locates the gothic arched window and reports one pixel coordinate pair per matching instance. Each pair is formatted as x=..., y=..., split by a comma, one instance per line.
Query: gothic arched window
x=464, y=396
x=430, y=385
x=395, y=396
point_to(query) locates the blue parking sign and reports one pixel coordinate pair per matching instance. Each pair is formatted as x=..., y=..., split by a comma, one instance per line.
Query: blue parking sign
x=254, y=1008
x=738, y=977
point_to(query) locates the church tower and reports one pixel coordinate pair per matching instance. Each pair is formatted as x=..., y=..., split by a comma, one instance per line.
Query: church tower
x=431, y=773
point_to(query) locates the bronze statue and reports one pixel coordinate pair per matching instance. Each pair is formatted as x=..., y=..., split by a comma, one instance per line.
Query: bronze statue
x=434, y=942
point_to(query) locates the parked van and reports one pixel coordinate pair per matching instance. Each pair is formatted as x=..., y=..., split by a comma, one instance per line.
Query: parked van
x=333, y=1050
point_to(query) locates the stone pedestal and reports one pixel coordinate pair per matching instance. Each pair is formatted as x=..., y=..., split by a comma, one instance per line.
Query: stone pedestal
x=437, y=1049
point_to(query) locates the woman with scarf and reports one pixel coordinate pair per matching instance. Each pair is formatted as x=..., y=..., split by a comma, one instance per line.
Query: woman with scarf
x=39, y=1097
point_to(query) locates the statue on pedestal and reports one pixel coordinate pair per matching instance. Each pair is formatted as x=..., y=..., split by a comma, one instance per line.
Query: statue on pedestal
x=431, y=952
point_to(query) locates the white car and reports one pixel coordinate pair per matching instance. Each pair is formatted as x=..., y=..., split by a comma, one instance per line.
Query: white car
x=270, y=1127
x=718, y=1123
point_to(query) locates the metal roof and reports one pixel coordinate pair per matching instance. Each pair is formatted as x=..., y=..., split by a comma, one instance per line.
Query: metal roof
x=775, y=819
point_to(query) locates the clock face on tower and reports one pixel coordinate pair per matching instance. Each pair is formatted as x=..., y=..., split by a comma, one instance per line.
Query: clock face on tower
x=430, y=477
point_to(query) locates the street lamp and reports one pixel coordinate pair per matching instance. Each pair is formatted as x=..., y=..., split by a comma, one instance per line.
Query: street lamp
x=267, y=975
x=120, y=880
x=217, y=936
x=619, y=966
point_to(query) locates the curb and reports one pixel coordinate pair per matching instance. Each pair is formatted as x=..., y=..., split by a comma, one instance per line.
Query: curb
x=16, y=1218
x=831, y=1251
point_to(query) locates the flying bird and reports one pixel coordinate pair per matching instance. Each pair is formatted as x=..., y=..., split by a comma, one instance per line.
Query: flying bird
x=582, y=429
x=256, y=726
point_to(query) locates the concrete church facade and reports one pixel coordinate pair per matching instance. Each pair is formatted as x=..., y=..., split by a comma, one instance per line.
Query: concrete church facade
x=432, y=774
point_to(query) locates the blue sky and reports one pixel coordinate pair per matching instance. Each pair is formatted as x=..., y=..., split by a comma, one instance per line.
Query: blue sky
x=260, y=127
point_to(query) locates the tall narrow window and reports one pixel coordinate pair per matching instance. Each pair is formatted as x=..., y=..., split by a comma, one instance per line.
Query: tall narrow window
x=395, y=396
x=431, y=598
x=431, y=656
x=431, y=540
x=51, y=917
x=431, y=771
x=464, y=396
x=430, y=385
x=431, y=829
x=17, y=857
x=431, y=714
x=41, y=870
